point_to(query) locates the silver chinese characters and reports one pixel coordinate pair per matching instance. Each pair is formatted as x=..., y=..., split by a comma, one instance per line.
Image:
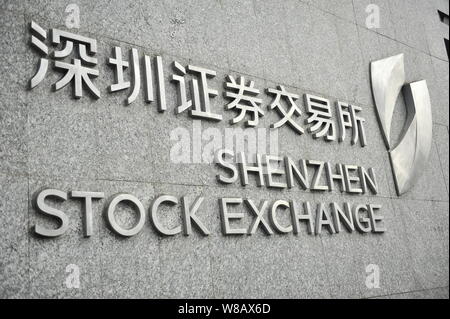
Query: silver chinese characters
x=194, y=86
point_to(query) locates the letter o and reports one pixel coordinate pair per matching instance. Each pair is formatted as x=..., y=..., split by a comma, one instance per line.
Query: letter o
x=112, y=219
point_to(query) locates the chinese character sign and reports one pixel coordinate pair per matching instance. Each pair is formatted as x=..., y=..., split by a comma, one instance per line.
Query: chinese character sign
x=194, y=88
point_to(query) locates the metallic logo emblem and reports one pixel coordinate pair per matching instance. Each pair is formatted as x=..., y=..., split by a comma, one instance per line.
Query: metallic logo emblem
x=410, y=155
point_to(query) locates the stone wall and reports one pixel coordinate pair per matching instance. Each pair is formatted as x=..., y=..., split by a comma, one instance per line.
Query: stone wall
x=49, y=139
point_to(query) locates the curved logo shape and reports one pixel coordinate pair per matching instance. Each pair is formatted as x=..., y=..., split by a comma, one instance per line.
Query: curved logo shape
x=410, y=155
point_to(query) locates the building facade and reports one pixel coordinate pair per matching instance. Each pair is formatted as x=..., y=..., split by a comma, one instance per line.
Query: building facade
x=159, y=88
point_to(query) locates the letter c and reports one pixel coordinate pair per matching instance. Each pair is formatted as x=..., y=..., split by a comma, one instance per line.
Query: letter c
x=156, y=223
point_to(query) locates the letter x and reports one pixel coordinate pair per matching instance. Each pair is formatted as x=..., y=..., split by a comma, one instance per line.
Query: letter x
x=258, y=212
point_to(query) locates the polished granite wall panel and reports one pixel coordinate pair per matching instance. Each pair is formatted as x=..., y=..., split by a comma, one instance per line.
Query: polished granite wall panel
x=426, y=234
x=13, y=115
x=441, y=137
x=439, y=91
x=408, y=24
x=49, y=139
x=15, y=262
x=436, y=30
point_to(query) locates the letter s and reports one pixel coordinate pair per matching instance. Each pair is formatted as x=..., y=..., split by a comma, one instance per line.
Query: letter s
x=42, y=207
x=220, y=161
